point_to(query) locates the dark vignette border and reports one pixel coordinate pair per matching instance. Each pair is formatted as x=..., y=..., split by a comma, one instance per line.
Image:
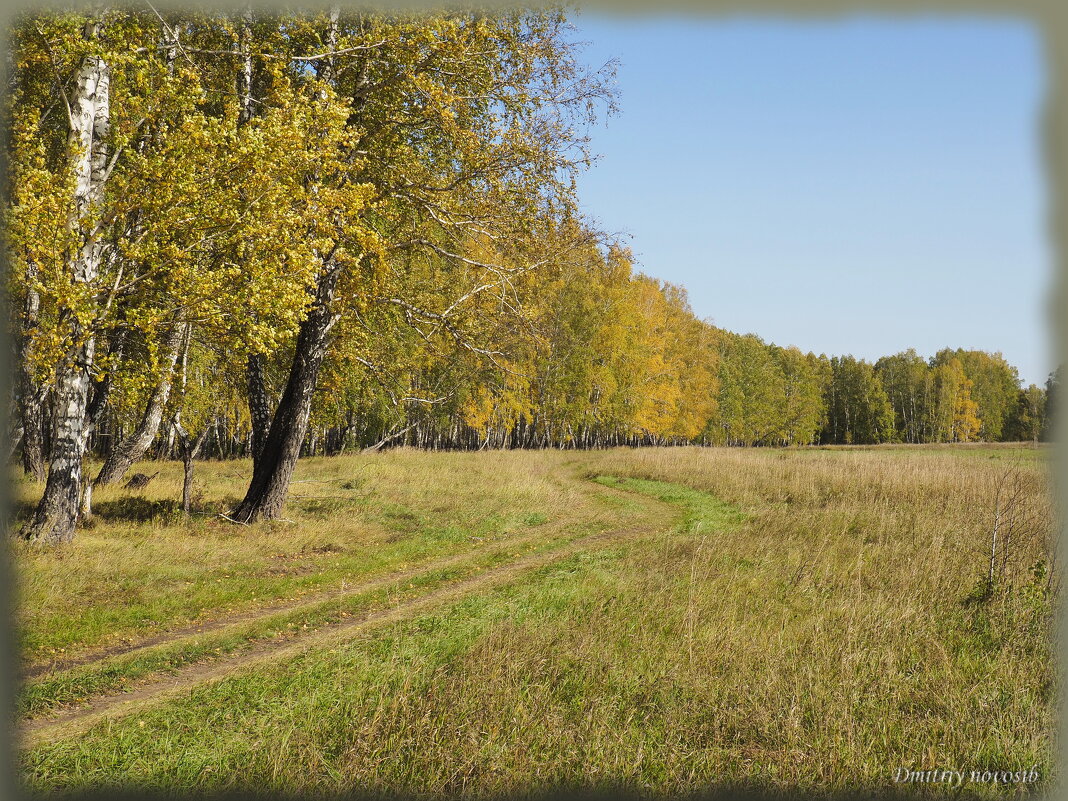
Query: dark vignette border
x=1050, y=16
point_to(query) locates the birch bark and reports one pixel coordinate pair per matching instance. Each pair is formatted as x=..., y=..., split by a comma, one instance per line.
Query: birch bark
x=31, y=395
x=57, y=513
x=133, y=447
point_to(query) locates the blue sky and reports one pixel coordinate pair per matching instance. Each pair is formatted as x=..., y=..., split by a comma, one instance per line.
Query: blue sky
x=857, y=185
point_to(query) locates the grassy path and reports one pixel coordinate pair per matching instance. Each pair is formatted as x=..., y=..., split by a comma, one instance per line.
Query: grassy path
x=71, y=722
x=110, y=670
x=113, y=695
x=233, y=621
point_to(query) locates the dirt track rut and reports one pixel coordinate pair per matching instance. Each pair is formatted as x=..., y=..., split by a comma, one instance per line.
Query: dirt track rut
x=263, y=613
x=73, y=721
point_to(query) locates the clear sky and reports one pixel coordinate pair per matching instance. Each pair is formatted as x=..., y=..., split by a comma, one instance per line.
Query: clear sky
x=858, y=185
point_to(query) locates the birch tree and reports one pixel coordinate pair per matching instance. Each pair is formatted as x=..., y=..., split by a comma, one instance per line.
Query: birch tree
x=85, y=157
x=125, y=214
x=460, y=127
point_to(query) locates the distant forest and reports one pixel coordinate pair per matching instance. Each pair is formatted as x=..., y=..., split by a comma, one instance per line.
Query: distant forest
x=774, y=396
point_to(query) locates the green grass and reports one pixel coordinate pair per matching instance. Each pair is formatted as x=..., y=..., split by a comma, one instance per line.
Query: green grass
x=126, y=578
x=414, y=660
x=701, y=509
x=803, y=620
x=79, y=683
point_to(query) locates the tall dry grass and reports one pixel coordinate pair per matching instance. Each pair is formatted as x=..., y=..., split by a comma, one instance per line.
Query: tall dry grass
x=813, y=623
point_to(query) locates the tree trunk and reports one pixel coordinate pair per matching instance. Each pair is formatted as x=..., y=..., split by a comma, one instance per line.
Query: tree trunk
x=99, y=392
x=13, y=442
x=387, y=438
x=325, y=68
x=258, y=405
x=273, y=470
x=190, y=450
x=31, y=401
x=57, y=513
x=31, y=408
x=30, y=395
x=243, y=79
x=133, y=447
x=218, y=434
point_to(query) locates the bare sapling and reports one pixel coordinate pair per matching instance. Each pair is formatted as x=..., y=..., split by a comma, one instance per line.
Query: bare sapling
x=1021, y=531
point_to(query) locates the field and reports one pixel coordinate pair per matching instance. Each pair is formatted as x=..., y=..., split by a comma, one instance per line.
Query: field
x=658, y=620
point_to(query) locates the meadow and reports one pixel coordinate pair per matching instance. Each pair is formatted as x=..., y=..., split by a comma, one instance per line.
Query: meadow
x=655, y=620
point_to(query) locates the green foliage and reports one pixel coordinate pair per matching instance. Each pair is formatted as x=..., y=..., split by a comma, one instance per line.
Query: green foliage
x=1025, y=420
x=994, y=387
x=751, y=395
x=858, y=409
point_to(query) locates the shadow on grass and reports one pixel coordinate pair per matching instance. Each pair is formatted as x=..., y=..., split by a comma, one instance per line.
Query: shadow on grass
x=21, y=510
x=137, y=509
x=326, y=508
x=126, y=510
x=131, y=509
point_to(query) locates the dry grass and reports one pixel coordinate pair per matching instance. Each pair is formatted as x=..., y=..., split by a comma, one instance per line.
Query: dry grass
x=811, y=623
x=140, y=568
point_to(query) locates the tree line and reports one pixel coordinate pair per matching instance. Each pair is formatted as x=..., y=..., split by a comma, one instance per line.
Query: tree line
x=268, y=235
x=779, y=396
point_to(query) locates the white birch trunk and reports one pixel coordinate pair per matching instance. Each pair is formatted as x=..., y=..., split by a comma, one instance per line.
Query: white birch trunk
x=133, y=448
x=57, y=513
